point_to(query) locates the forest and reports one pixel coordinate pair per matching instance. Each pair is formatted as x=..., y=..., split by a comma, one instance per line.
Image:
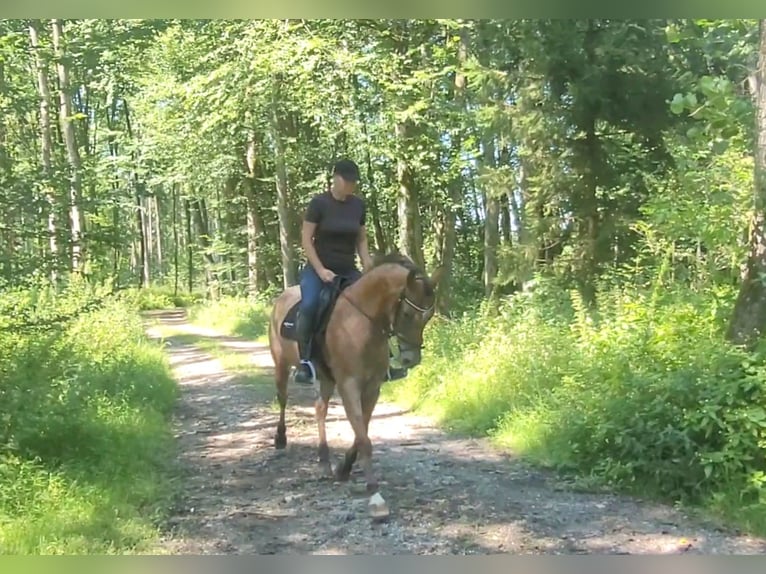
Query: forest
x=594, y=190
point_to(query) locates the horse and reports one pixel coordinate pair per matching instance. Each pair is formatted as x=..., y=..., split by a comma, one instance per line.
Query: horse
x=351, y=348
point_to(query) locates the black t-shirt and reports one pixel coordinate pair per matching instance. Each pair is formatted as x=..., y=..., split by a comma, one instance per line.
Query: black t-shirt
x=338, y=224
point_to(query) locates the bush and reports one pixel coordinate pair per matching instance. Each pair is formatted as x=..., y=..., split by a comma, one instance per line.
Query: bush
x=648, y=397
x=158, y=297
x=84, y=434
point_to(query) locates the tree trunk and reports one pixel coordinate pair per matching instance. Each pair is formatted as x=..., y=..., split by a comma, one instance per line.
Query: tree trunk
x=410, y=234
x=285, y=245
x=517, y=211
x=5, y=173
x=443, y=294
x=46, y=146
x=111, y=120
x=590, y=235
x=174, y=191
x=73, y=154
x=158, y=232
x=229, y=222
x=748, y=319
x=380, y=237
x=407, y=201
x=491, y=216
x=140, y=190
x=505, y=206
x=149, y=229
x=202, y=223
x=145, y=275
x=189, y=245
x=374, y=209
x=255, y=227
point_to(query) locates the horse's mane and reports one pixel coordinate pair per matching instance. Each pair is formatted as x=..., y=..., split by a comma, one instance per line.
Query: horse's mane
x=397, y=258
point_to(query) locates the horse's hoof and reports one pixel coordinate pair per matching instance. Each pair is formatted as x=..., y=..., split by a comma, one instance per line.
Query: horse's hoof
x=341, y=475
x=280, y=442
x=325, y=469
x=378, y=508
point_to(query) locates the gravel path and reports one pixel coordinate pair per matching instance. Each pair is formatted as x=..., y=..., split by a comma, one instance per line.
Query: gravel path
x=446, y=495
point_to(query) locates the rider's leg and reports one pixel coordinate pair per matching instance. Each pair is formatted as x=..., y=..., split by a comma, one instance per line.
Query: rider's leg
x=311, y=286
x=394, y=373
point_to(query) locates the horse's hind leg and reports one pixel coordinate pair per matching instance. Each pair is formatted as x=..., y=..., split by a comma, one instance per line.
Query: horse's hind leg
x=282, y=373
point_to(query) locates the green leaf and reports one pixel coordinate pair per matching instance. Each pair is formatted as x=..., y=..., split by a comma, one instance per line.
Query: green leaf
x=730, y=131
x=672, y=34
x=693, y=132
x=677, y=105
x=707, y=85
x=720, y=146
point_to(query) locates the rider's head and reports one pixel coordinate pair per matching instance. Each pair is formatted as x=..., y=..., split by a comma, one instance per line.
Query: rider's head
x=345, y=178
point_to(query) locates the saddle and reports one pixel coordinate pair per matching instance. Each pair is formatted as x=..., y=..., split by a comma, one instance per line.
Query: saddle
x=328, y=297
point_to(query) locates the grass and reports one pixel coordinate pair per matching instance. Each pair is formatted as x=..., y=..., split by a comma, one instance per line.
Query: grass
x=85, y=444
x=158, y=297
x=233, y=316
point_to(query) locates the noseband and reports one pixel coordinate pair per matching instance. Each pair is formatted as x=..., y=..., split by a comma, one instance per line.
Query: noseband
x=393, y=330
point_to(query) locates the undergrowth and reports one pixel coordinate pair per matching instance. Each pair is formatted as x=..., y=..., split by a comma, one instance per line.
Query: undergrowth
x=643, y=395
x=235, y=316
x=84, y=434
x=158, y=297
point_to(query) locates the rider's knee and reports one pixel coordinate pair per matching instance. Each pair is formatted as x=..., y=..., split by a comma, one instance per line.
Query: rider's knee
x=309, y=305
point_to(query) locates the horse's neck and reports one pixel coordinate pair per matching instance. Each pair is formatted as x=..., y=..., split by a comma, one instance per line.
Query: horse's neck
x=375, y=293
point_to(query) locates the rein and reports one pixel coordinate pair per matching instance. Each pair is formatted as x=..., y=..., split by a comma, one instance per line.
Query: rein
x=391, y=328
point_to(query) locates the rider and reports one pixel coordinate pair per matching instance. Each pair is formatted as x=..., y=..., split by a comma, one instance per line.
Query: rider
x=333, y=233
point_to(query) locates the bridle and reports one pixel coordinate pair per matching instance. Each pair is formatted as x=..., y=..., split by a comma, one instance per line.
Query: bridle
x=392, y=328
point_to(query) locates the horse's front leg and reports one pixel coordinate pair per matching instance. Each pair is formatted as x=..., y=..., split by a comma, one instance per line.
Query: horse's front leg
x=359, y=412
x=321, y=406
x=369, y=400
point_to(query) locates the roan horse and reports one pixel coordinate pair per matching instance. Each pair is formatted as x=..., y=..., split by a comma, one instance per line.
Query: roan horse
x=351, y=351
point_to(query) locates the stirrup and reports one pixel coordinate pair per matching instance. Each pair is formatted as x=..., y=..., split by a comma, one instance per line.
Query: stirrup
x=312, y=376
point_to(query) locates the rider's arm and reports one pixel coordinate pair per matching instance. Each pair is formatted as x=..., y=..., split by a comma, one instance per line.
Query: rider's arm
x=310, y=221
x=363, y=249
x=307, y=241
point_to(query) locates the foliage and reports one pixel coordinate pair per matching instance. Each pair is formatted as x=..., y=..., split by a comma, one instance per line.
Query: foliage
x=645, y=398
x=158, y=297
x=235, y=316
x=84, y=440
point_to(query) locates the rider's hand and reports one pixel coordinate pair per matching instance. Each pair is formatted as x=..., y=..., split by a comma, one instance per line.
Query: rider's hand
x=326, y=275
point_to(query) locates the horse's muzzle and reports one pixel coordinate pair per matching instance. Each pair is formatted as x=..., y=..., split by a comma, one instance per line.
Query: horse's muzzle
x=409, y=357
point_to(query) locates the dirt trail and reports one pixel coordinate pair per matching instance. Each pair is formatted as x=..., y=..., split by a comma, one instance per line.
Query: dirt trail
x=446, y=495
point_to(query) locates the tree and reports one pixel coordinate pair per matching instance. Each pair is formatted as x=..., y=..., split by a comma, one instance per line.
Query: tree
x=748, y=319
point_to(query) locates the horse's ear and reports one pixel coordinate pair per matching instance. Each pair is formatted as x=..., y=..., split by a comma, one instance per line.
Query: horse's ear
x=411, y=278
x=438, y=275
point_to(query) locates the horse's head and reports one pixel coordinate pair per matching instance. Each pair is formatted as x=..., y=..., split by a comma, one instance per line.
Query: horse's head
x=414, y=309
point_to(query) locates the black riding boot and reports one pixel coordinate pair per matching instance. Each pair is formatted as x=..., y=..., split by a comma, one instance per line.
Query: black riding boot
x=394, y=373
x=305, y=373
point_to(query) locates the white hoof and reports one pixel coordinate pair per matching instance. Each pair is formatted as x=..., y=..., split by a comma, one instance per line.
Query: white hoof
x=377, y=507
